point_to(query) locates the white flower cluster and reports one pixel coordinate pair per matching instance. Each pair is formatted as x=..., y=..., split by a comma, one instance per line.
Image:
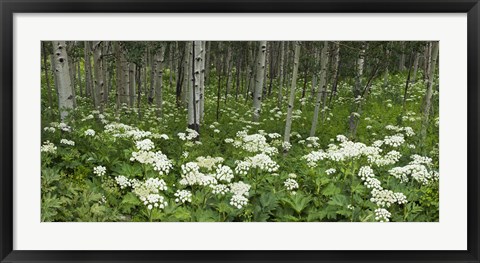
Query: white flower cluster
x=286, y=146
x=385, y=198
x=183, y=196
x=291, y=184
x=242, y=167
x=219, y=189
x=330, y=171
x=407, y=130
x=158, y=160
x=90, y=132
x=208, y=162
x=67, y=142
x=417, y=169
x=156, y=184
x=64, y=127
x=123, y=181
x=263, y=162
x=154, y=200
x=254, y=143
x=191, y=175
x=240, y=193
x=49, y=129
x=394, y=140
x=382, y=215
x=145, y=145
x=99, y=170
x=313, y=157
x=313, y=141
x=189, y=135
x=238, y=201
x=224, y=173
x=48, y=147
x=148, y=192
x=390, y=158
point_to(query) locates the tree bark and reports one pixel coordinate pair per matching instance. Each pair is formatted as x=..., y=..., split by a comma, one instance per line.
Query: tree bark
x=322, y=85
x=291, y=99
x=98, y=72
x=47, y=78
x=62, y=79
x=259, y=77
x=430, y=83
x=280, y=79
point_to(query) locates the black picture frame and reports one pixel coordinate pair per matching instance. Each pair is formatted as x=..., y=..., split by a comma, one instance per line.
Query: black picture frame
x=9, y=7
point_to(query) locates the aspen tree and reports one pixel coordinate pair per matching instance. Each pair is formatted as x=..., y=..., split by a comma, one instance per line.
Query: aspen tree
x=430, y=83
x=291, y=99
x=88, y=69
x=62, y=79
x=98, y=72
x=322, y=85
x=259, y=77
x=280, y=77
x=158, y=78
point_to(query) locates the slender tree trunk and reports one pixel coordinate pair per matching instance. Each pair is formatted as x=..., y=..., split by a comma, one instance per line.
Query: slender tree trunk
x=218, y=67
x=138, y=80
x=430, y=84
x=98, y=72
x=131, y=82
x=259, y=77
x=357, y=90
x=186, y=72
x=336, y=69
x=228, y=66
x=47, y=78
x=106, y=73
x=207, y=62
x=62, y=79
x=415, y=67
x=202, y=83
x=386, y=73
x=88, y=70
x=291, y=99
x=158, y=79
x=405, y=93
x=322, y=85
x=194, y=105
x=79, y=77
x=401, y=63
x=280, y=79
x=237, y=78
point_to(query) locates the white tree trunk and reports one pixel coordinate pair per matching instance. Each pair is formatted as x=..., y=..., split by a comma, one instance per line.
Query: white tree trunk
x=202, y=81
x=322, y=86
x=131, y=83
x=430, y=83
x=98, y=72
x=158, y=79
x=194, y=91
x=280, y=83
x=259, y=77
x=187, y=70
x=62, y=79
x=291, y=99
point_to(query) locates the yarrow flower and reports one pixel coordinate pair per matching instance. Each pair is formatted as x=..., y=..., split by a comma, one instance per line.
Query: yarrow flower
x=67, y=142
x=99, y=170
x=145, y=145
x=330, y=171
x=291, y=184
x=123, y=181
x=224, y=173
x=183, y=196
x=90, y=132
x=48, y=147
x=382, y=215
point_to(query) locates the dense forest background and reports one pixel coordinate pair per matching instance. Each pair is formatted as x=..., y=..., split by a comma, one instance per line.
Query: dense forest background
x=239, y=131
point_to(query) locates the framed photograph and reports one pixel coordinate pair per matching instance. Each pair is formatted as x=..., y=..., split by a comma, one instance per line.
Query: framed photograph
x=239, y=131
